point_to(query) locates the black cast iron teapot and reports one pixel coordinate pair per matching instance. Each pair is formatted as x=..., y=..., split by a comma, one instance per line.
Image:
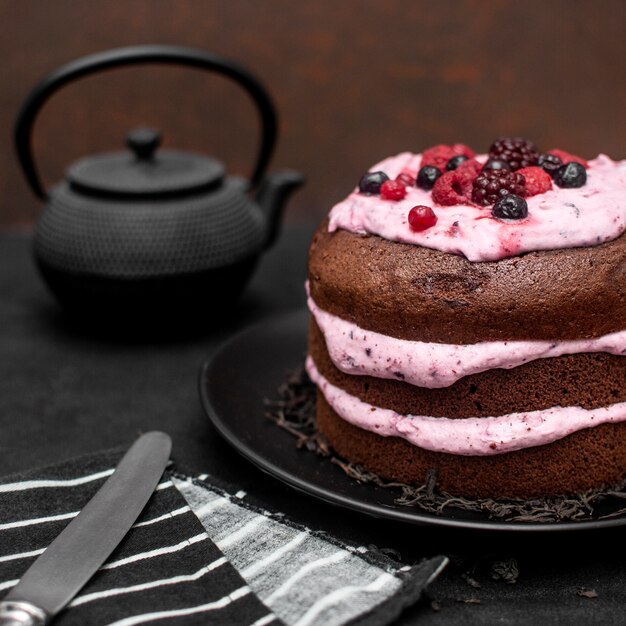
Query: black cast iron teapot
x=151, y=234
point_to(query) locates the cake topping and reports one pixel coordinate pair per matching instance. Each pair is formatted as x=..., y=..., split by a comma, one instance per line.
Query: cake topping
x=427, y=177
x=438, y=156
x=371, y=182
x=454, y=162
x=568, y=157
x=421, y=218
x=406, y=179
x=558, y=217
x=491, y=185
x=571, y=175
x=516, y=151
x=537, y=180
x=496, y=164
x=392, y=190
x=550, y=163
x=510, y=207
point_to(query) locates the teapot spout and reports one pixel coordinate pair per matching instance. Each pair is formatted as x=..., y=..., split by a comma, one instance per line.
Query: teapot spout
x=272, y=196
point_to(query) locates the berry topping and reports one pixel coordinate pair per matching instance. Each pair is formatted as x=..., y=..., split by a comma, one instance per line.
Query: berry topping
x=406, y=179
x=491, y=185
x=510, y=207
x=370, y=183
x=496, y=164
x=454, y=187
x=570, y=175
x=550, y=163
x=427, y=176
x=566, y=157
x=392, y=190
x=438, y=156
x=421, y=218
x=537, y=180
x=454, y=162
x=516, y=151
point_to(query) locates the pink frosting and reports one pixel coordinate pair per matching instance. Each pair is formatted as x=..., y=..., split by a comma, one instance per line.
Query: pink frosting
x=356, y=351
x=560, y=218
x=471, y=436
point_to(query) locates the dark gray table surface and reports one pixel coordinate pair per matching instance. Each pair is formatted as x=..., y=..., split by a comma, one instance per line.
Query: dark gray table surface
x=64, y=393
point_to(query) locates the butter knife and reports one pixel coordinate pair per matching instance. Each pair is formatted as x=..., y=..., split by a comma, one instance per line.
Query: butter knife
x=87, y=541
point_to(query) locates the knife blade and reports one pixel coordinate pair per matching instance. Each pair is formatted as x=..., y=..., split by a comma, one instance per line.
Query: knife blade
x=89, y=539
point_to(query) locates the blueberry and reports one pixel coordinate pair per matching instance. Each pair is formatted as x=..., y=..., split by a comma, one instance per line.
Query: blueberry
x=510, y=207
x=454, y=162
x=550, y=163
x=570, y=175
x=370, y=183
x=496, y=164
x=427, y=176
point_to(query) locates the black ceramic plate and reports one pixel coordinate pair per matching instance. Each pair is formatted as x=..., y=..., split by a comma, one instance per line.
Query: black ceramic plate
x=249, y=368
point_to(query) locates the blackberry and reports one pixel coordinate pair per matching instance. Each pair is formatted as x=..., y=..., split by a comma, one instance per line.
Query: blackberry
x=491, y=185
x=496, y=164
x=370, y=183
x=510, y=207
x=427, y=176
x=454, y=162
x=550, y=163
x=516, y=151
x=570, y=175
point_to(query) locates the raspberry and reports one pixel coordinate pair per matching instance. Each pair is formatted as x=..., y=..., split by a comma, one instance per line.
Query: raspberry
x=453, y=188
x=406, y=179
x=537, y=180
x=438, y=156
x=491, y=185
x=516, y=151
x=421, y=218
x=566, y=157
x=469, y=169
x=392, y=190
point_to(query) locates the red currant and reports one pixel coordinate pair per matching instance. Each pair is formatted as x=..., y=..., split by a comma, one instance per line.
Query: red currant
x=392, y=190
x=421, y=218
x=406, y=179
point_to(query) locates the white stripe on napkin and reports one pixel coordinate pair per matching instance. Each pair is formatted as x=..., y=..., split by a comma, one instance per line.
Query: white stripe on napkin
x=158, y=552
x=39, y=484
x=38, y=520
x=183, y=509
x=149, y=585
x=217, y=604
x=342, y=594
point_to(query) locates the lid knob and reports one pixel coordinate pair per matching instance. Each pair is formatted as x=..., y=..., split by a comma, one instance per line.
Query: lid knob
x=143, y=142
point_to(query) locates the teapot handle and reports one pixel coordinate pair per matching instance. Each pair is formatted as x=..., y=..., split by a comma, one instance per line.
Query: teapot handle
x=134, y=55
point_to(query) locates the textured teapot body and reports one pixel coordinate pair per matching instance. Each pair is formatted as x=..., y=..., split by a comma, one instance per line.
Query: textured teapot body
x=109, y=238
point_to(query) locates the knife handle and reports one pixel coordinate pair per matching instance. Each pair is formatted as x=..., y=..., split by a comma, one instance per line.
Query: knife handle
x=17, y=613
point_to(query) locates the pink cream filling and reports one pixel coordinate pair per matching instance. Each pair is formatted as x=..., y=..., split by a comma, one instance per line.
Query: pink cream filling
x=560, y=218
x=361, y=352
x=471, y=436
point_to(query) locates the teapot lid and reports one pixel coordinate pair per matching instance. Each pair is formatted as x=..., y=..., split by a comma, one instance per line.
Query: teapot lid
x=143, y=171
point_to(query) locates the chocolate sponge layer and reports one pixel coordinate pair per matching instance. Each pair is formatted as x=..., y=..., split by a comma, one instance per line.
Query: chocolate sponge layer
x=583, y=460
x=411, y=292
x=586, y=380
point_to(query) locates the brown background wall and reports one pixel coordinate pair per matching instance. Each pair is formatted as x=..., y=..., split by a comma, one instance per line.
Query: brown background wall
x=353, y=80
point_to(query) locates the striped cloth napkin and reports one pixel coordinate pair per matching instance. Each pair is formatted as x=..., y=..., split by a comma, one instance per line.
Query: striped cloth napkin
x=201, y=555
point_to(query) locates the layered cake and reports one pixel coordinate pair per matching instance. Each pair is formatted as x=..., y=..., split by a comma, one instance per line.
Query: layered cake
x=468, y=319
